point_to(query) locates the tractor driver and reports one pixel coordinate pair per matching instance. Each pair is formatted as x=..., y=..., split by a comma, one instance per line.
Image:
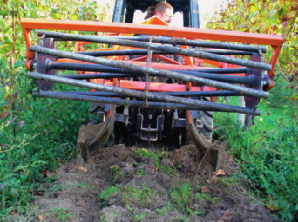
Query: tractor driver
x=162, y=10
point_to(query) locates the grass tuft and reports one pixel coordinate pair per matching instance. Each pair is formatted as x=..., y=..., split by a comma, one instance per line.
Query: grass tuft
x=106, y=193
x=140, y=197
x=181, y=196
x=59, y=214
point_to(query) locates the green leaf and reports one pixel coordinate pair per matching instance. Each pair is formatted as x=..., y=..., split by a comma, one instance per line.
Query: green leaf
x=74, y=17
x=72, y=116
x=7, y=40
x=32, y=6
x=253, y=14
x=19, y=63
x=272, y=12
x=3, y=12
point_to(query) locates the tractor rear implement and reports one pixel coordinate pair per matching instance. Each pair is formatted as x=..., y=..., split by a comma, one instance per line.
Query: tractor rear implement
x=154, y=82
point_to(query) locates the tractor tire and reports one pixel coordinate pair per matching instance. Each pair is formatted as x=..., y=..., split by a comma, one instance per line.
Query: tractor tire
x=206, y=120
x=206, y=126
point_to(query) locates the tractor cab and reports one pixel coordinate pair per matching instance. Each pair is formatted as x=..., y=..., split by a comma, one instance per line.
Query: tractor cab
x=127, y=11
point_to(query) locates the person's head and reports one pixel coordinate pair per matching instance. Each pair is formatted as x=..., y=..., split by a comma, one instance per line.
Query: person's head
x=163, y=10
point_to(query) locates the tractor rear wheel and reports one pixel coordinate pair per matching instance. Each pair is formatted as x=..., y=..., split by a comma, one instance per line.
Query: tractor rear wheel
x=205, y=127
x=206, y=124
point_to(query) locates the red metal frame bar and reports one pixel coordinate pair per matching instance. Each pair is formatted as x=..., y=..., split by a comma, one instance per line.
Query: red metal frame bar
x=189, y=33
x=160, y=57
x=153, y=86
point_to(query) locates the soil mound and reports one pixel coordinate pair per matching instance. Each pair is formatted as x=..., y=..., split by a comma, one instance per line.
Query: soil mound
x=136, y=184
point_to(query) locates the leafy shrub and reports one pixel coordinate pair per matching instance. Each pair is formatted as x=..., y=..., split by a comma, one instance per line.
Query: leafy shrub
x=266, y=17
x=268, y=155
x=47, y=137
x=268, y=151
x=283, y=96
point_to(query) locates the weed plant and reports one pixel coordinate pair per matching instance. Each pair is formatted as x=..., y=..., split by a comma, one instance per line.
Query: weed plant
x=142, y=172
x=169, y=171
x=106, y=193
x=268, y=152
x=139, y=217
x=285, y=97
x=145, y=153
x=115, y=173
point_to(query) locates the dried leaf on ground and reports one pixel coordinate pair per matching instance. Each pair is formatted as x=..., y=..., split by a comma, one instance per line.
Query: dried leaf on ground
x=47, y=173
x=217, y=190
x=228, y=216
x=204, y=189
x=82, y=169
x=231, y=158
x=218, y=173
x=40, y=217
x=128, y=164
x=155, y=169
x=14, y=213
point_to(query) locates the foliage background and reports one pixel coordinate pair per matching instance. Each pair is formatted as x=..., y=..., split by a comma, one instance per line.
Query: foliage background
x=35, y=134
x=278, y=17
x=268, y=151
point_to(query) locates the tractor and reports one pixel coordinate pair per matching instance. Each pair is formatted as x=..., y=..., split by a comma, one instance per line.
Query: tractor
x=152, y=82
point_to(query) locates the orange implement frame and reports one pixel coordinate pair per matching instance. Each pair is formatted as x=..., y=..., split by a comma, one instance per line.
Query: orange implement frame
x=190, y=33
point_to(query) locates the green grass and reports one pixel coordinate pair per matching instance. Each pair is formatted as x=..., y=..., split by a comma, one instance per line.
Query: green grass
x=139, y=217
x=140, y=197
x=181, y=196
x=169, y=171
x=59, y=214
x=115, y=173
x=106, y=193
x=205, y=196
x=145, y=153
x=156, y=157
x=142, y=172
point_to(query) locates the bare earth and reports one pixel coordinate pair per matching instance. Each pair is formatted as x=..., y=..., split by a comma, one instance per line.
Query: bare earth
x=215, y=196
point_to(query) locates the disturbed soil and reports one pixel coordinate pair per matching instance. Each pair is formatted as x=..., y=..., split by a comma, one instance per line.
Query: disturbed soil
x=121, y=184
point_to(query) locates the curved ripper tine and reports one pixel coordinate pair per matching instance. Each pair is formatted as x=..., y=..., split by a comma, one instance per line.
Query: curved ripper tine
x=103, y=132
x=206, y=147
